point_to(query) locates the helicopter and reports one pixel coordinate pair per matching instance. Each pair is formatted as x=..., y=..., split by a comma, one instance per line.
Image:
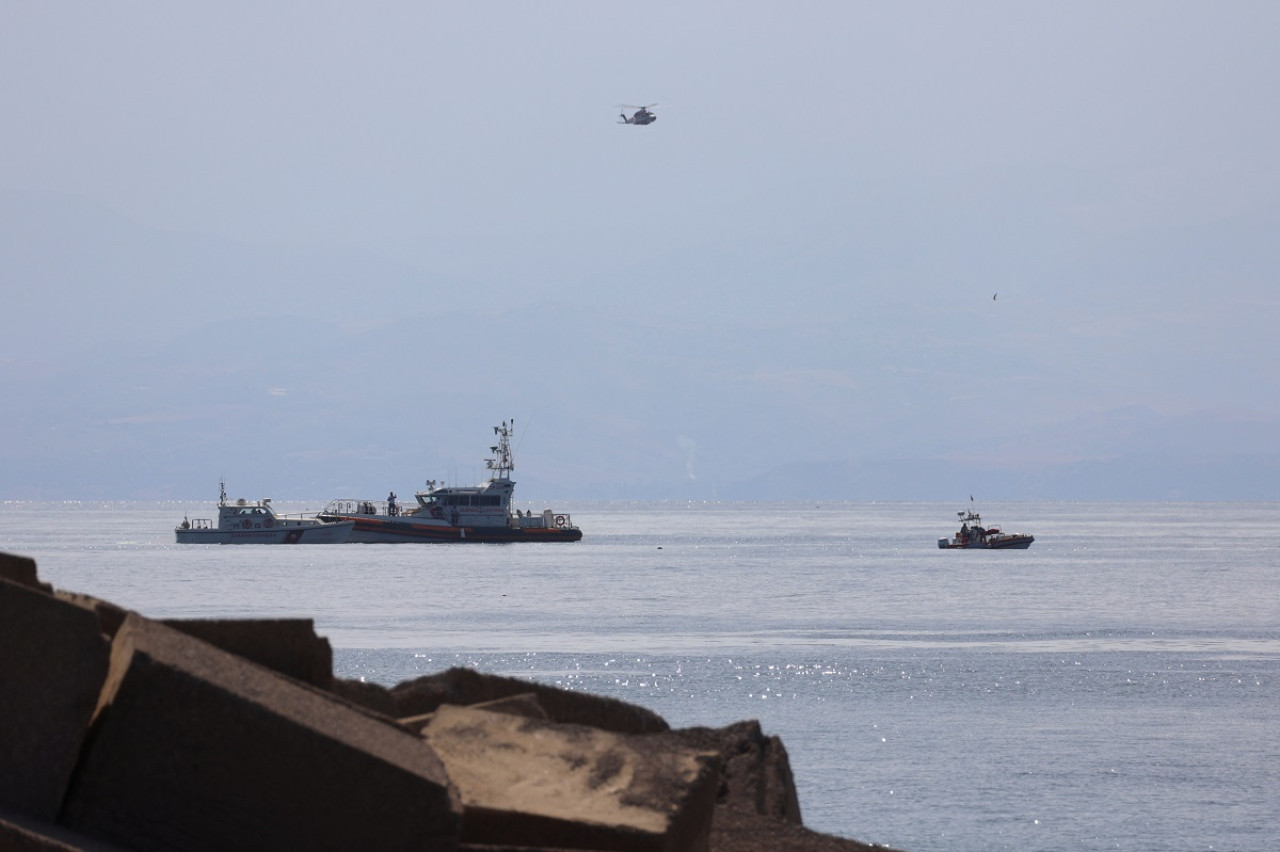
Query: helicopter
x=640, y=116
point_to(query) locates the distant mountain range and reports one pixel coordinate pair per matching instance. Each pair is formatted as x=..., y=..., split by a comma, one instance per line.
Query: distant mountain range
x=141, y=364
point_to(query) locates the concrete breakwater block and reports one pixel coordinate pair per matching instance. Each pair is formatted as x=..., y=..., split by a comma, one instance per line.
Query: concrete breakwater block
x=193, y=748
x=755, y=771
x=17, y=838
x=527, y=782
x=289, y=646
x=21, y=570
x=741, y=831
x=53, y=661
x=463, y=687
x=109, y=616
x=525, y=704
x=21, y=833
x=371, y=696
x=222, y=735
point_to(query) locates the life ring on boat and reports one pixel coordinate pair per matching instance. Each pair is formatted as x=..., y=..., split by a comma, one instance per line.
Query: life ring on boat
x=560, y=520
x=269, y=523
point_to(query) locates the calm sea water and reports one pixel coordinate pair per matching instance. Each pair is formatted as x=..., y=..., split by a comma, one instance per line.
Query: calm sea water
x=1117, y=686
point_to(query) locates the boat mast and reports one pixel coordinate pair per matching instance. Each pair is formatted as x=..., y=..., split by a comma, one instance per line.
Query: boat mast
x=502, y=463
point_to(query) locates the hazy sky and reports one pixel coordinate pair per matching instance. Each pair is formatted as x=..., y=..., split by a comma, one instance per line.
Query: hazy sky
x=802, y=251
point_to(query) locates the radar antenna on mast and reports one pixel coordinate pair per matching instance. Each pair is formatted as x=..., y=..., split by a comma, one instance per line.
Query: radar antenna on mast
x=502, y=463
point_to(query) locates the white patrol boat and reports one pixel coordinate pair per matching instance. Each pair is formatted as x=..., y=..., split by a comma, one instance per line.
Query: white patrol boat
x=242, y=522
x=465, y=513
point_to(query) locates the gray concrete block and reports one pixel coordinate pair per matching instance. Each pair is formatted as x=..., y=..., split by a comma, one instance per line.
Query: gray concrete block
x=196, y=749
x=289, y=646
x=53, y=661
x=525, y=704
x=531, y=783
x=463, y=687
x=110, y=616
x=21, y=833
x=21, y=570
x=371, y=696
x=755, y=773
x=16, y=838
x=743, y=831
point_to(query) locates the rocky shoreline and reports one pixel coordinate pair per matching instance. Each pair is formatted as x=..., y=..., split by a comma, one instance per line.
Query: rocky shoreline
x=120, y=732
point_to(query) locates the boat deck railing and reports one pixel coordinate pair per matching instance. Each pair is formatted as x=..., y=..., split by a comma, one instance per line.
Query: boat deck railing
x=356, y=507
x=546, y=520
x=295, y=516
x=527, y=520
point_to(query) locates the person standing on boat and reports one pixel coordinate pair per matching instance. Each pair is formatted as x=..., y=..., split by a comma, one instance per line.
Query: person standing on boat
x=392, y=508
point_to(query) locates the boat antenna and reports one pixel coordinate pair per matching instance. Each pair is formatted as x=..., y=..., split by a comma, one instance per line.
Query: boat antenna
x=524, y=434
x=502, y=462
x=222, y=491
